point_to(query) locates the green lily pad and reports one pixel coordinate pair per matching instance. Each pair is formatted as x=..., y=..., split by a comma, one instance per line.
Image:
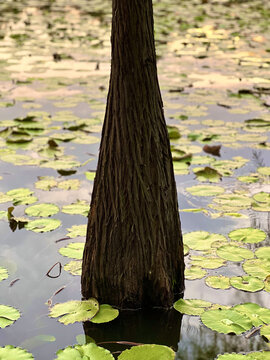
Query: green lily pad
x=233, y=201
x=74, y=311
x=247, y=283
x=4, y=198
x=263, y=253
x=83, y=352
x=79, y=208
x=90, y=175
x=19, y=193
x=259, y=268
x=180, y=168
x=105, y=314
x=218, y=282
x=262, y=355
x=42, y=210
x=247, y=235
x=264, y=170
x=73, y=250
x=61, y=164
x=194, y=273
x=201, y=240
x=3, y=273
x=234, y=253
x=71, y=184
x=148, y=351
x=226, y=321
x=249, y=179
x=77, y=230
x=205, y=190
x=265, y=332
x=74, y=267
x=186, y=250
x=207, y=174
x=267, y=284
x=46, y=183
x=8, y=315
x=265, y=207
x=207, y=262
x=263, y=197
x=43, y=225
x=191, y=306
x=10, y=352
x=258, y=315
x=19, y=159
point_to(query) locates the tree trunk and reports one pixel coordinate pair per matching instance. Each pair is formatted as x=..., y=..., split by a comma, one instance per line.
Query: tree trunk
x=133, y=255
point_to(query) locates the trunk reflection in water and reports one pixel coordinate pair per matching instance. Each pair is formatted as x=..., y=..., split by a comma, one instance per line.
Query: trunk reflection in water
x=149, y=326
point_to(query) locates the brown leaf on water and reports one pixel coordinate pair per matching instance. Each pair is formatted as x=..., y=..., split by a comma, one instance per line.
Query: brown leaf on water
x=213, y=150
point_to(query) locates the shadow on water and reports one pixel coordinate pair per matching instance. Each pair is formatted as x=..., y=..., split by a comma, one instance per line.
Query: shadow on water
x=151, y=326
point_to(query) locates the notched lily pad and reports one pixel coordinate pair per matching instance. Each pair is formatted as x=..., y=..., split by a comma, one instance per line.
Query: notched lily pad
x=247, y=283
x=258, y=315
x=8, y=315
x=43, y=225
x=194, y=273
x=201, y=240
x=74, y=267
x=11, y=352
x=148, y=351
x=77, y=230
x=75, y=311
x=191, y=306
x=259, y=268
x=81, y=207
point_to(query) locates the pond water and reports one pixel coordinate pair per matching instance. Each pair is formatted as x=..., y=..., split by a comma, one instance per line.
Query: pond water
x=54, y=71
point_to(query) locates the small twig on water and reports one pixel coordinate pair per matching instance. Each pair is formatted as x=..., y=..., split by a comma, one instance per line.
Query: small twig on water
x=13, y=282
x=54, y=276
x=65, y=238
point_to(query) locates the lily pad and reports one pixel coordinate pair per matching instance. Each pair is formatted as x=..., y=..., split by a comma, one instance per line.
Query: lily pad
x=90, y=175
x=42, y=210
x=226, y=321
x=43, y=225
x=3, y=273
x=265, y=332
x=234, y=201
x=207, y=174
x=258, y=315
x=264, y=207
x=105, y=314
x=79, y=208
x=148, y=351
x=218, y=282
x=191, y=306
x=201, y=240
x=262, y=355
x=10, y=352
x=264, y=170
x=263, y=253
x=194, y=273
x=247, y=283
x=259, y=268
x=247, y=235
x=8, y=315
x=263, y=197
x=249, y=179
x=46, y=183
x=205, y=190
x=75, y=311
x=77, y=230
x=71, y=184
x=74, y=267
x=234, y=253
x=205, y=262
x=83, y=352
x=73, y=250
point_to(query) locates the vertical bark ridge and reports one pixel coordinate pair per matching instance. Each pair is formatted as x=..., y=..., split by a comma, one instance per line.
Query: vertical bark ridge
x=133, y=254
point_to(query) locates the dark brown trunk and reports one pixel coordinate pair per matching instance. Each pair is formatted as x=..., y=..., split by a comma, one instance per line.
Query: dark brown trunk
x=133, y=255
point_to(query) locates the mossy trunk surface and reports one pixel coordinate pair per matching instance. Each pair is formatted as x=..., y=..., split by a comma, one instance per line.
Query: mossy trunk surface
x=133, y=255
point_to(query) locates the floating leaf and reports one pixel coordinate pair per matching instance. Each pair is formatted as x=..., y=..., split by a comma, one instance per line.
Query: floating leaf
x=84, y=352
x=71, y=184
x=42, y=210
x=191, y=306
x=226, y=321
x=263, y=197
x=3, y=273
x=43, y=225
x=257, y=267
x=105, y=314
x=205, y=190
x=194, y=273
x=264, y=170
x=8, y=315
x=249, y=179
x=207, y=262
x=265, y=207
x=207, y=174
x=234, y=200
x=265, y=332
x=234, y=253
x=46, y=183
x=61, y=164
x=263, y=253
x=148, y=351
x=79, y=208
x=180, y=168
x=258, y=315
x=218, y=282
x=201, y=240
x=75, y=310
x=90, y=175
x=10, y=352
x=5, y=198
x=262, y=355
x=186, y=250
x=74, y=267
x=247, y=235
x=77, y=230
x=247, y=283
x=73, y=250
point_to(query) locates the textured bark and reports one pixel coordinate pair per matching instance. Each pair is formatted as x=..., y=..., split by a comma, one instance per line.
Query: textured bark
x=133, y=255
